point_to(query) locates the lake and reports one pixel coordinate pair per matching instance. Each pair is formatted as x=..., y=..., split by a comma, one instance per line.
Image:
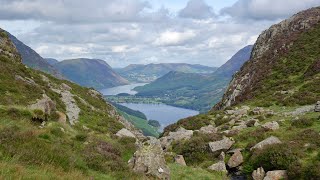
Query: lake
x=122, y=89
x=165, y=114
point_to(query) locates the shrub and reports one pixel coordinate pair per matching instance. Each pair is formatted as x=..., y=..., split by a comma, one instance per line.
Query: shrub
x=196, y=150
x=81, y=137
x=273, y=157
x=302, y=123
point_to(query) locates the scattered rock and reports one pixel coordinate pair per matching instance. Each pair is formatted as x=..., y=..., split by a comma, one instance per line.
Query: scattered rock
x=45, y=104
x=65, y=87
x=71, y=106
x=234, y=150
x=219, y=166
x=180, y=160
x=317, y=107
x=222, y=156
x=95, y=93
x=223, y=144
x=180, y=134
x=25, y=80
x=301, y=110
x=125, y=133
x=271, y=126
x=258, y=111
x=149, y=159
x=238, y=112
x=258, y=174
x=236, y=159
x=208, y=129
x=276, y=175
x=269, y=141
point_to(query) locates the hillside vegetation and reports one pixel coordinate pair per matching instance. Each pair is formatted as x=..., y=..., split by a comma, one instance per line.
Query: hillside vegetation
x=268, y=119
x=37, y=137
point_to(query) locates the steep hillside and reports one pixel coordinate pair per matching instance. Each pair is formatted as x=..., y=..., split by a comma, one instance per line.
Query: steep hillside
x=90, y=73
x=55, y=129
x=277, y=141
x=51, y=61
x=283, y=68
x=32, y=59
x=150, y=72
x=195, y=91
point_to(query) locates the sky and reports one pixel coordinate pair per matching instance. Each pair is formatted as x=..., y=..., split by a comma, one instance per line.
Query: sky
x=124, y=32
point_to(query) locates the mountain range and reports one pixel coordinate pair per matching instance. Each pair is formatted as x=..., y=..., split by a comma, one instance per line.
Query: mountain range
x=150, y=72
x=90, y=73
x=195, y=91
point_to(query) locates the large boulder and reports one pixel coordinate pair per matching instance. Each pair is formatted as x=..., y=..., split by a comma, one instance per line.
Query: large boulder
x=45, y=104
x=208, y=129
x=258, y=174
x=269, y=141
x=180, y=134
x=179, y=159
x=317, y=107
x=236, y=159
x=149, y=159
x=276, y=175
x=125, y=133
x=219, y=166
x=271, y=126
x=223, y=144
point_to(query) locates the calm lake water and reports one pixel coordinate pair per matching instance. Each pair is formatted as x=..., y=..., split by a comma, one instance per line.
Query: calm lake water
x=122, y=89
x=165, y=114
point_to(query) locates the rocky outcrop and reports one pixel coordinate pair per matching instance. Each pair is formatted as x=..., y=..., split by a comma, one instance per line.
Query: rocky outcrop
x=276, y=175
x=271, y=44
x=149, y=159
x=258, y=174
x=271, y=126
x=223, y=144
x=236, y=159
x=179, y=159
x=180, y=134
x=45, y=104
x=25, y=80
x=317, y=107
x=125, y=133
x=208, y=129
x=269, y=141
x=219, y=166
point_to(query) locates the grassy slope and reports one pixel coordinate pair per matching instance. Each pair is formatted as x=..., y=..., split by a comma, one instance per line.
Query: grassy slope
x=299, y=154
x=187, y=90
x=57, y=149
x=142, y=124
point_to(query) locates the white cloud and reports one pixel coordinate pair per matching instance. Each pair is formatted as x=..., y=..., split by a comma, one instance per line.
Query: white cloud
x=268, y=9
x=174, y=38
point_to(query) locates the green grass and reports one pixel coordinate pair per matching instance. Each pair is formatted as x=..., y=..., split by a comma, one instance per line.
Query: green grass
x=179, y=172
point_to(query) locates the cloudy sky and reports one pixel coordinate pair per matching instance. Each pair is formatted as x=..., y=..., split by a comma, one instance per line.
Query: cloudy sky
x=124, y=32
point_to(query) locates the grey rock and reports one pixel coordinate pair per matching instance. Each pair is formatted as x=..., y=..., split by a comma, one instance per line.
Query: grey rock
x=258, y=174
x=222, y=156
x=125, y=133
x=271, y=126
x=149, y=159
x=269, y=141
x=236, y=159
x=26, y=80
x=180, y=134
x=317, y=107
x=223, y=144
x=45, y=104
x=208, y=129
x=219, y=166
x=276, y=175
x=180, y=160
